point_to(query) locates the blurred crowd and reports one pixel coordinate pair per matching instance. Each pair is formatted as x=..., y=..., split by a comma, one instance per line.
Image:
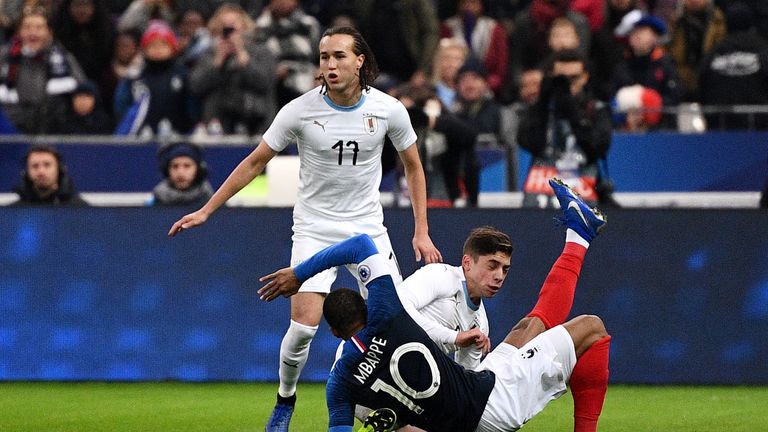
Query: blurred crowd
x=553, y=77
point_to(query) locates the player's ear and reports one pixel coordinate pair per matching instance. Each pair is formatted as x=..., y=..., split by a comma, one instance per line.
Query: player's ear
x=360, y=60
x=466, y=262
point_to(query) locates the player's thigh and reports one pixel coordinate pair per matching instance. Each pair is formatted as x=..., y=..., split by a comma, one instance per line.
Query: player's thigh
x=527, y=378
x=303, y=249
x=307, y=308
x=384, y=246
x=524, y=331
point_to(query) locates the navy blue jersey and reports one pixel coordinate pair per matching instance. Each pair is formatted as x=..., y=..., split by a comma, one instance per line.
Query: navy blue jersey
x=393, y=363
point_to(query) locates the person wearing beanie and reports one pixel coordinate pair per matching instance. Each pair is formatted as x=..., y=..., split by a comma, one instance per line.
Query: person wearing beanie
x=163, y=80
x=637, y=108
x=185, y=181
x=647, y=63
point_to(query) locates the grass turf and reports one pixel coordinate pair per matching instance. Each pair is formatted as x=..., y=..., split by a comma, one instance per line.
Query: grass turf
x=245, y=407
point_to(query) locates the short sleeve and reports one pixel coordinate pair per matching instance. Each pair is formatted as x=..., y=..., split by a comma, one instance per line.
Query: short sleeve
x=283, y=129
x=400, y=129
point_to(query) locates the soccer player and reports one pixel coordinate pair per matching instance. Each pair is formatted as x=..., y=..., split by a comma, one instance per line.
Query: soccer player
x=447, y=301
x=389, y=361
x=340, y=129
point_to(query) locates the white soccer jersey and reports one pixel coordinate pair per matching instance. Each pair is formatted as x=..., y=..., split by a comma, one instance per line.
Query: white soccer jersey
x=340, y=151
x=436, y=297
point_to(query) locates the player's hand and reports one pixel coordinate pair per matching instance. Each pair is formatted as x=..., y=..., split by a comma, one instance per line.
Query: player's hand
x=191, y=220
x=473, y=336
x=424, y=248
x=281, y=283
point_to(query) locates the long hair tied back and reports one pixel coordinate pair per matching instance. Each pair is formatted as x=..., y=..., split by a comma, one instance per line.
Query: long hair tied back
x=370, y=69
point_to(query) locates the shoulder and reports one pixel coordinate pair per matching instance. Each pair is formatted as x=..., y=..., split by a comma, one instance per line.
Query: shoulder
x=377, y=96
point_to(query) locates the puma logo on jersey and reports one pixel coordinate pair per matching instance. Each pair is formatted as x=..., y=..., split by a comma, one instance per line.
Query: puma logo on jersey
x=322, y=125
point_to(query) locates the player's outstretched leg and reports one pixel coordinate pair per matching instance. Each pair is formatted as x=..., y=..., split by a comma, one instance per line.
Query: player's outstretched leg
x=589, y=383
x=557, y=292
x=577, y=215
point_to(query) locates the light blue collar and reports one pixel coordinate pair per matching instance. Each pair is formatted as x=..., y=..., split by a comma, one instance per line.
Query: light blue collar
x=333, y=105
x=470, y=303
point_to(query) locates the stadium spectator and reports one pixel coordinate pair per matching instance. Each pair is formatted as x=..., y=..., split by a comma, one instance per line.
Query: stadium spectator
x=528, y=44
x=567, y=131
x=694, y=34
x=610, y=42
x=537, y=359
x=443, y=139
x=127, y=59
x=340, y=144
x=163, y=80
x=450, y=56
x=736, y=72
x=646, y=63
x=485, y=37
x=235, y=80
x=141, y=13
x=185, y=176
x=562, y=35
x=637, y=108
x=292, y=36
x=404, y=35
x=37, y=76
x=192, y=35
x=44, y=180
x=84, y=28
x=86, y=114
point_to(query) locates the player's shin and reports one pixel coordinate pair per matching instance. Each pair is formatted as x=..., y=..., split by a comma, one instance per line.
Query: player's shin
x=294, y=351
x=559, y=288
x=589, y=382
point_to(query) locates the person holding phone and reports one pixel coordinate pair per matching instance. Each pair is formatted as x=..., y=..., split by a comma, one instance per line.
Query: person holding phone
x=235, y=81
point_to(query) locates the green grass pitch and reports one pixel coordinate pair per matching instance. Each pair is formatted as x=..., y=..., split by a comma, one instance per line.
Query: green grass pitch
x=167, y=407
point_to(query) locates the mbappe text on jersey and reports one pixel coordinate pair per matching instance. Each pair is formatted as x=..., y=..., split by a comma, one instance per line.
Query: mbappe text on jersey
x=371, y=359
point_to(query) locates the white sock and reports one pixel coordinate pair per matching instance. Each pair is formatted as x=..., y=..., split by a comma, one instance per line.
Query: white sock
x=573, y=236
x=294, y=351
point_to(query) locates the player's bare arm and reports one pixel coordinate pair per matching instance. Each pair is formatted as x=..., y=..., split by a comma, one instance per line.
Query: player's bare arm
x=244, y=173
x=473, y=336
x=280, y=283
x=417, y=185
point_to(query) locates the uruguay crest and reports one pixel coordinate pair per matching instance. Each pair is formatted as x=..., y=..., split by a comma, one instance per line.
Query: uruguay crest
x=371, y=124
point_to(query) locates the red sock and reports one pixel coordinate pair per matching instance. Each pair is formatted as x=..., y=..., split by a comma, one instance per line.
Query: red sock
x=589, y=381
x=556, y=295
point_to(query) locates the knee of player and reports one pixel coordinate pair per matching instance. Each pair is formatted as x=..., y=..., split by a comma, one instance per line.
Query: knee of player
x=595, y=325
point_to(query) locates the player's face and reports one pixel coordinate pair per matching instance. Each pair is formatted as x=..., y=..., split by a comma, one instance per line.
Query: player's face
x=486, y=274
x=182, y=171
x=43, y=170
x=338, y=63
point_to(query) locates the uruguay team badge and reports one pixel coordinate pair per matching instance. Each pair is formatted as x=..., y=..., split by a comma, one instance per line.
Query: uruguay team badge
x=371, y=125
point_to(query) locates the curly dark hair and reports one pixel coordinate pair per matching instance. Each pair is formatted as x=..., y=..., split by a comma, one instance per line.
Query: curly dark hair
x=370, y=69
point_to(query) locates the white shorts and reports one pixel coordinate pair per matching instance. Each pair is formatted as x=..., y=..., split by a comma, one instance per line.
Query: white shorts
x=527, y=379
x=313, y=236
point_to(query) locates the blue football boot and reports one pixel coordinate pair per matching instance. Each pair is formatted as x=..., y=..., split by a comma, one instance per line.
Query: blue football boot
x=577, y=215
x=281, y=417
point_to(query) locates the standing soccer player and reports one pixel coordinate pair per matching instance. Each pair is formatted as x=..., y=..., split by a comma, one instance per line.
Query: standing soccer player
x=389, y=361
x=340, y=130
